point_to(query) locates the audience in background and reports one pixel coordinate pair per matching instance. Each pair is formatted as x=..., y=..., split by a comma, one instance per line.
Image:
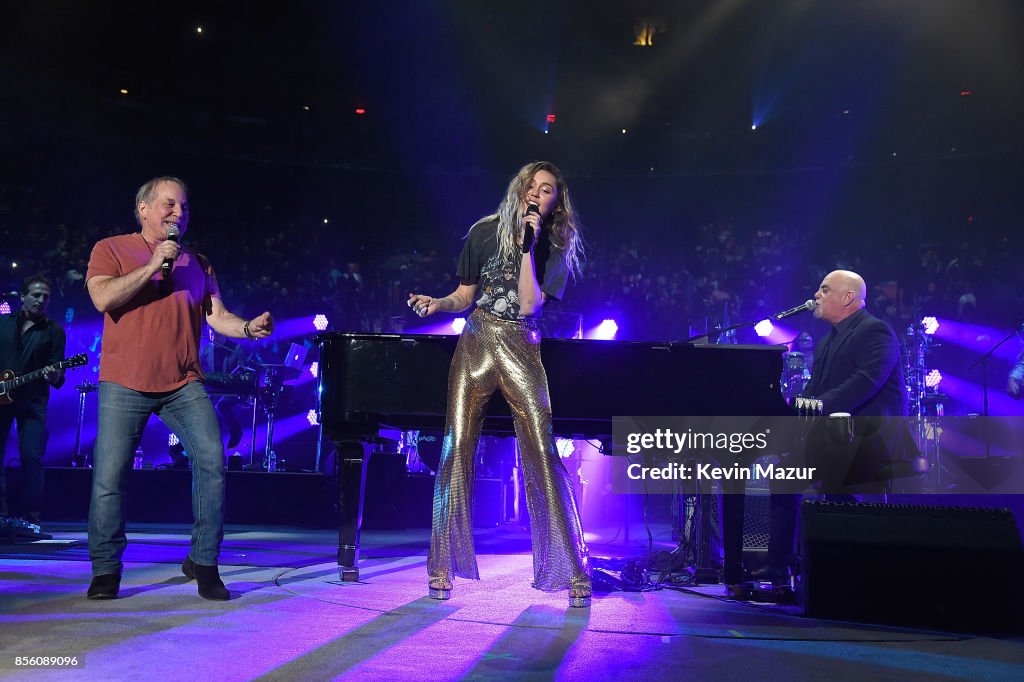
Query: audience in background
x=718, y=272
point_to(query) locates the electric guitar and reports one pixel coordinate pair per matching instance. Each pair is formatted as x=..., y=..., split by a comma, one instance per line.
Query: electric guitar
x=9, y=382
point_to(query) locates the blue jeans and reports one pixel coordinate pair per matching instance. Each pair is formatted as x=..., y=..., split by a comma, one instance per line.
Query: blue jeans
x=31, y=419
x=123, y=414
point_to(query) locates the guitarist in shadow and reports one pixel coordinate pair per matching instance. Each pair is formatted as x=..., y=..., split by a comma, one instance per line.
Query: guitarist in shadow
x=29, y=341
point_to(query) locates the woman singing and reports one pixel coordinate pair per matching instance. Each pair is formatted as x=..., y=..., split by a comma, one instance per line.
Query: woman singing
x=512, y=262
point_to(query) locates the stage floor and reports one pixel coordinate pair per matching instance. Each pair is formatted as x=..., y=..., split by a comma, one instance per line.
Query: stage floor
x=290, y=618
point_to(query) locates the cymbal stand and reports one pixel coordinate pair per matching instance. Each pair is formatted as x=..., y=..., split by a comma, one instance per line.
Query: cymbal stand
x=78, y=459
x=252, y=441
x=273, y=387
x=927, y=426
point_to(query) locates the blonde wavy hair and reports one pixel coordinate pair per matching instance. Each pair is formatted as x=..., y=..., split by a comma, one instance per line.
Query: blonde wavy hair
x=562, y=222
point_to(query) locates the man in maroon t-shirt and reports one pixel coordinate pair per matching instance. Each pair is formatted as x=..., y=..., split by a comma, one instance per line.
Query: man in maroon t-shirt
x=154, y=295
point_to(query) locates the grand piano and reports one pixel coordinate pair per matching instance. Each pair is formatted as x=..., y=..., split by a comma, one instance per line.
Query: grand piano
x=370, y=381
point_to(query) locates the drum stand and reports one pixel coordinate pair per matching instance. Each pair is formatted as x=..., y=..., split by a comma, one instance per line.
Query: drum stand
x=78, y=459
x=926, y=405
x=271, y=389
x=929, y=433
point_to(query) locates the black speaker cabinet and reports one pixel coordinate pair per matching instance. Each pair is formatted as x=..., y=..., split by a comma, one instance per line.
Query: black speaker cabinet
x=946, y=568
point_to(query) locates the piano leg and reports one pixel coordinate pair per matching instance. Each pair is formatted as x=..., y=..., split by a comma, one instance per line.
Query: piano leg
x=351, y=459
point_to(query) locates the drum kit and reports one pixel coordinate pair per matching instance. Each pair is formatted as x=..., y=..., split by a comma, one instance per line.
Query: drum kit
x=796, y=367
x=271, y=392
x=263, y=388
x=795, y=374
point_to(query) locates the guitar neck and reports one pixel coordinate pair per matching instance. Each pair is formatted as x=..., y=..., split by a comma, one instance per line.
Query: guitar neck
x=14, y=383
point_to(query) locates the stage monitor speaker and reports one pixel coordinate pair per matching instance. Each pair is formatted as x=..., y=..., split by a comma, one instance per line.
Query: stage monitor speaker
x=947, y=568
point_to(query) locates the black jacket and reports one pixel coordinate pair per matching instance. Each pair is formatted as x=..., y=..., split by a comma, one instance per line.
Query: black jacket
x=860, y=372
x=42, y=345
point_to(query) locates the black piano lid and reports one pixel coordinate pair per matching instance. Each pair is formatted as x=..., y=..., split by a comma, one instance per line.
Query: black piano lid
x=324, y=337
x=400, y=380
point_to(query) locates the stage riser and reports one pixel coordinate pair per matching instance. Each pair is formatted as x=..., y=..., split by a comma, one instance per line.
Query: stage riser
x=394, y=498
x=164, y=496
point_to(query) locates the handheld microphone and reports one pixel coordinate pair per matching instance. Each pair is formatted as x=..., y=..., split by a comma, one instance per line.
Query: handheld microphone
x=809, y=304
x=528, y=235
x=172, y=233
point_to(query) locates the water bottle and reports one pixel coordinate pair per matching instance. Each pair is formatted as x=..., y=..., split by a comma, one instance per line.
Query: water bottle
x=138, y=458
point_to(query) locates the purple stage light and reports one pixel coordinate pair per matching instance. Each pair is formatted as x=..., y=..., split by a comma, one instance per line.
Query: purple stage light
x=606, y=330
x=5, y=308
x=458, y=324
x=311, y=418
x=933, y=378
x=930, y=324
x=764, y=328
x=314, y=369
x=320, y=322
x=295, y=327
x=976, y=337
x=172, y=439
x=439, y=328
x=969, y=397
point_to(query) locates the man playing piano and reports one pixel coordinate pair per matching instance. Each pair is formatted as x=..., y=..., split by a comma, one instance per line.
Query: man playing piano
x=857, y=370
x=512, y=262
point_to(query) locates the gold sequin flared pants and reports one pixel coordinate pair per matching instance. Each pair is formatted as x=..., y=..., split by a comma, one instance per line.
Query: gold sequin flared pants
x=504, y=354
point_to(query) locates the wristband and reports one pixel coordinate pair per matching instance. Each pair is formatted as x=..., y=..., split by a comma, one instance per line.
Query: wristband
x=245, y=330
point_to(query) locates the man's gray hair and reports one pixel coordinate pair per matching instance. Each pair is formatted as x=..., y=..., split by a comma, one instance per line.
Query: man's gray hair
x=145, y=193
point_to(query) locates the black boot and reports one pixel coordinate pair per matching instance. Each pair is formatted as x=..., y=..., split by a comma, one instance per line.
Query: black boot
x=208, y=579
x=104, y=586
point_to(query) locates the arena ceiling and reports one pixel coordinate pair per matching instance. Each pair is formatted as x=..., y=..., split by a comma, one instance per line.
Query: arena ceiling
x=643, y=86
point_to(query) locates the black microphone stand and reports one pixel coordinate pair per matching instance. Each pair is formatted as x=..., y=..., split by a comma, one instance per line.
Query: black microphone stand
x=739, y=325
x=777, y=317
x=983, y=361
x=719, y=332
